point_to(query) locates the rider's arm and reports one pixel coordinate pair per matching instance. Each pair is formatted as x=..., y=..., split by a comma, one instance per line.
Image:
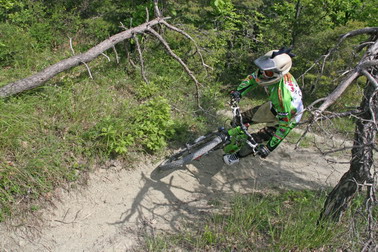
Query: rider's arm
x=247, y=84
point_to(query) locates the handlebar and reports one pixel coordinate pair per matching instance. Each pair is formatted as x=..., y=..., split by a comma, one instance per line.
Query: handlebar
x=237, y=116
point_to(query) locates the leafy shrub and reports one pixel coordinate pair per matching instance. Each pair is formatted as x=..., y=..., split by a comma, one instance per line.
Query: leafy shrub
x=109, y=135
x=144, y=90
x=153, y=124
x=148, y=125
x=41, y=32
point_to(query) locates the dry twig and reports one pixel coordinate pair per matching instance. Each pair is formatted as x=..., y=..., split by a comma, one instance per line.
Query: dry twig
x=178, y=59
x=135, y=37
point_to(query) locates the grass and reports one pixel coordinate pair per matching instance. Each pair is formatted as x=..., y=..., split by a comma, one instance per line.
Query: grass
x=259, y=222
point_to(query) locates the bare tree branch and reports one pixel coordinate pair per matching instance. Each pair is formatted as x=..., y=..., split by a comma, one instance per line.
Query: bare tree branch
x=106, y=56
x=135, y=36
x=367, y=64
x=49, y=72
x=353, y=75
x=370, y=78
x=363, y=45
x=189, y=37
x=157, y=10
x=71, y=46
x=367, y=30
x=147, y=15
x=330, y=99
x=116, y=54
x=88, y=69
x=169, y=50
x=86, y=65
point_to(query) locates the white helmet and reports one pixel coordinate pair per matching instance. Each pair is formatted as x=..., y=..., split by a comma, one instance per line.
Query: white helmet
x=274, y=65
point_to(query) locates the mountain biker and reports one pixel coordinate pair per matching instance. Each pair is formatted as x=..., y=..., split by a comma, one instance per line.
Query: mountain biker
x=283, y=110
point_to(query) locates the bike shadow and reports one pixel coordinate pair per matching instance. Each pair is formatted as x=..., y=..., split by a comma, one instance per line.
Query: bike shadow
x=161, y=172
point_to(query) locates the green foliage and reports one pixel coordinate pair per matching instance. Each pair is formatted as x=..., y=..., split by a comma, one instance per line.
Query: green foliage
x=228, y=17
x=322, y=80
x=9, y=6
x=98, y=29
x=149, y=125
x=368, y=13
x=139, y=14
x=146, y=90
x=116, y=140
x=153, y=124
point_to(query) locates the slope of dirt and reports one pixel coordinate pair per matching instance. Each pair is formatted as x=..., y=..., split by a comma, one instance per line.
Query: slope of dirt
x=119, y=205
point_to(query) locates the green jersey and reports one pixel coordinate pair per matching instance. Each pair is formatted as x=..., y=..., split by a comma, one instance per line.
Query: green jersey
x=286, y=101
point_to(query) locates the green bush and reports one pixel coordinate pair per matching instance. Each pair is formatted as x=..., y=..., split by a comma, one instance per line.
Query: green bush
x=146, y=90
x=152, y=124
x=149, y=126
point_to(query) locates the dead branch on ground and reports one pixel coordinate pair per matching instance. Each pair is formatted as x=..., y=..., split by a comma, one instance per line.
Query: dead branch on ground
x=46, y=74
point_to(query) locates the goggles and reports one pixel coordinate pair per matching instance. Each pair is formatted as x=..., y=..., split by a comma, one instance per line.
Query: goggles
x=269, y=74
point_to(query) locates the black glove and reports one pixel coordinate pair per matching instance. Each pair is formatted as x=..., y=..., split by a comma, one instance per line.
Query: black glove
x=235, y=95
x=263, y=151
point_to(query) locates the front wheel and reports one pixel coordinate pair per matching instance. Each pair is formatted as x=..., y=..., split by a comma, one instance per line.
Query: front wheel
x=186, y=156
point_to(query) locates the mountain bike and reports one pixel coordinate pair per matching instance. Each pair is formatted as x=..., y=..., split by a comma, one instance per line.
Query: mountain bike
x=230, y=140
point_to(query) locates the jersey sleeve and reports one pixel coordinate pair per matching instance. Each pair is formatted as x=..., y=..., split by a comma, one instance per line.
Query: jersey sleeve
x=247, y=84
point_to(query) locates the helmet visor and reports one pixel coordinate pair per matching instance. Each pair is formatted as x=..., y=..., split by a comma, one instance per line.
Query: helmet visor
x=265, y=63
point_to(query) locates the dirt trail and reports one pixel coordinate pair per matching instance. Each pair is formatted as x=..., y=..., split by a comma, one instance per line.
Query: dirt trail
x=119, y=206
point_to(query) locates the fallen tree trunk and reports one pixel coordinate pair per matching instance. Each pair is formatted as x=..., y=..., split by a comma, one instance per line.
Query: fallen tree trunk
x=41, y=77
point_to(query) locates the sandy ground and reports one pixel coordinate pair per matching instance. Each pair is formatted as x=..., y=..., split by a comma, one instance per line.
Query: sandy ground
x=120, y=206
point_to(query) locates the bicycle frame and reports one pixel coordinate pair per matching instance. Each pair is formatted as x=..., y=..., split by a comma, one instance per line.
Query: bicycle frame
x=238, y=135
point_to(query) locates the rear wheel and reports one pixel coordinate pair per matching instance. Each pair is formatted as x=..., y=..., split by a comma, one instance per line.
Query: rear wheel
x=192, y=152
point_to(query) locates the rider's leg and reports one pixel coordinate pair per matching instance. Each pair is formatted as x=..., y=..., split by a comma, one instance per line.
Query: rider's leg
x=264, y=134
x=248, y=114
x=261, y=136
x=260, y=114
